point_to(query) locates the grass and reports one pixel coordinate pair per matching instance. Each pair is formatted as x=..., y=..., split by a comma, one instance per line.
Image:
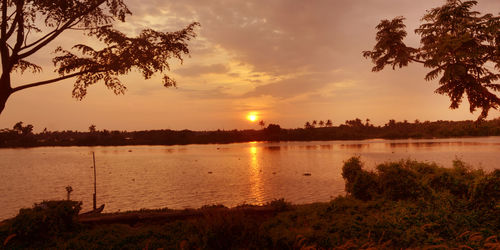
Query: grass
x=404, y=204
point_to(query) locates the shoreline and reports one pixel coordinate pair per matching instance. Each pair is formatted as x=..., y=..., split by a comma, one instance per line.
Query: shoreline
x=253, y=141
x=352, y=130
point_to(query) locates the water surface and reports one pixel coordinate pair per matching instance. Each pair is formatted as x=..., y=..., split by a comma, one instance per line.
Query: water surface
x=134, y=177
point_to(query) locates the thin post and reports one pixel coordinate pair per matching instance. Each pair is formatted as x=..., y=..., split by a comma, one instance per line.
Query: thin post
x=95, y=182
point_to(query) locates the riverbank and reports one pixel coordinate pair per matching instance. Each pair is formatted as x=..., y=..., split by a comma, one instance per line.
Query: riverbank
x=404, y=204
x=22, y=136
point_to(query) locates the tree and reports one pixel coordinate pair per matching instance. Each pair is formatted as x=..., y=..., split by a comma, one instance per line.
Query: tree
x=354, y=123
x=29, y=25
x=23, y=130
x=262, y=123
x=321, y=123
x=329, y=123
x=308, y=125
x=92, y=128
x=459, y=45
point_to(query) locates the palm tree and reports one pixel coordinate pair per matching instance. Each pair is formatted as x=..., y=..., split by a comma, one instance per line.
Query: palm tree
x=92, y=128
x=329, y=123
x=321, y=123
x=262, y=123
x=308, y=125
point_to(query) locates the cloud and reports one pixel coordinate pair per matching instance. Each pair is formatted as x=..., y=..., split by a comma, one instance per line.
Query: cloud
x=198, y=70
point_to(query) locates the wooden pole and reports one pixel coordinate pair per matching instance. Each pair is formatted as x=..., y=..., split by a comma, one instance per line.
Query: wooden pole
x=95, y=182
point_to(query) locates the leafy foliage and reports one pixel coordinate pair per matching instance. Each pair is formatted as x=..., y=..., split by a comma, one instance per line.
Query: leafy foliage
x=412, y=180
x=457, y=43
x=22, y=21
x=45, y=220
x=149, y=52
x=360, y=183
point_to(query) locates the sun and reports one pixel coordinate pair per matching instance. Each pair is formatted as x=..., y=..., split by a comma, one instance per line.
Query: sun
x=252, y=116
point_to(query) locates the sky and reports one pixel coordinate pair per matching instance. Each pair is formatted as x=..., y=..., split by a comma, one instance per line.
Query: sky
x=288, y=61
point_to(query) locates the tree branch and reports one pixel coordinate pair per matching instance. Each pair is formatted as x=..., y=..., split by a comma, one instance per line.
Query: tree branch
x=13, y=27
x=67, y=25
x=4, y=50
x=20, y=33
x=4, y=20
x=416, y=60
x=39, y=40
x=35, y=84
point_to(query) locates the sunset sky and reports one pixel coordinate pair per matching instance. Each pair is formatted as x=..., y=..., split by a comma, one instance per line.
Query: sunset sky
x=288, y=61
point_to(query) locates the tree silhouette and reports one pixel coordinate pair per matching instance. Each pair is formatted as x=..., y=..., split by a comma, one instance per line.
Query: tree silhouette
x=23, y=130
x=262, y=123
x=21, y=36
x=458, y=44
x=92, y=128
x=354, y=123
x=329, y=123
x=314, y=123
x=308, y=125
x=321, y=123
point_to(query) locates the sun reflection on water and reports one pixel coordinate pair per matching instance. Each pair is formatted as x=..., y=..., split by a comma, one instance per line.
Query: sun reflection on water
x=256, y=177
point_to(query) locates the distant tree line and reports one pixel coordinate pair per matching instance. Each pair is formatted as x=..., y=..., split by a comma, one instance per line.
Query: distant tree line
x=321, y=123
x=22, y=135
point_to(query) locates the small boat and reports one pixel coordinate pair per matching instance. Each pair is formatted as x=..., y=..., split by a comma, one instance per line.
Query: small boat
x=95, y=211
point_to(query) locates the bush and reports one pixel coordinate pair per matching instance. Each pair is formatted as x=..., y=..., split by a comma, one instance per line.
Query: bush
x=365, y=186
x=45, y=220
x=411, y=180
x=398, y=182
x=486, y=191
x=280, y=205
x=351, y=170
x=358, y=182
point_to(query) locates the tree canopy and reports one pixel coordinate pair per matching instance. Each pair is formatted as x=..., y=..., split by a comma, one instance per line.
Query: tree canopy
x=459, y=45
x=29, y=25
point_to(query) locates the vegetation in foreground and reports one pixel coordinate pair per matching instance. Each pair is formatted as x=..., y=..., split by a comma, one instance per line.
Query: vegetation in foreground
x=404, y=204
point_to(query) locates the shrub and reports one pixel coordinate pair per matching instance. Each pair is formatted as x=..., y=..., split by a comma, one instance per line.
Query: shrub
x=486, y=191
x=365, y=186
x=280, y=205
x=45, y=219
x=398, y=182
x=351, y=169
x=358, y=182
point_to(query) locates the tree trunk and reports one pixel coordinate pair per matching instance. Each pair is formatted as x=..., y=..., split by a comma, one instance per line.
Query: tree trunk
x=5, y=92
x=3, y=100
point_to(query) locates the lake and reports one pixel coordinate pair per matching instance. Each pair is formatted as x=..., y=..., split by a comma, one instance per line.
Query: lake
x=135, y=177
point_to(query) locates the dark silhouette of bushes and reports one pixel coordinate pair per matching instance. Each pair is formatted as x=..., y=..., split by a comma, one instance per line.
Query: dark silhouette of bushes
x=361, y=184
x=411, y=180
x=397, y=181
x=486, y=191
x=45, y=220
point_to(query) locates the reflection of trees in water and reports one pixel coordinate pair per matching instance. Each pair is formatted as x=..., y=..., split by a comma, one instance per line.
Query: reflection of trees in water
x=428, y=144
x=356, y=146
x=272, y=148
